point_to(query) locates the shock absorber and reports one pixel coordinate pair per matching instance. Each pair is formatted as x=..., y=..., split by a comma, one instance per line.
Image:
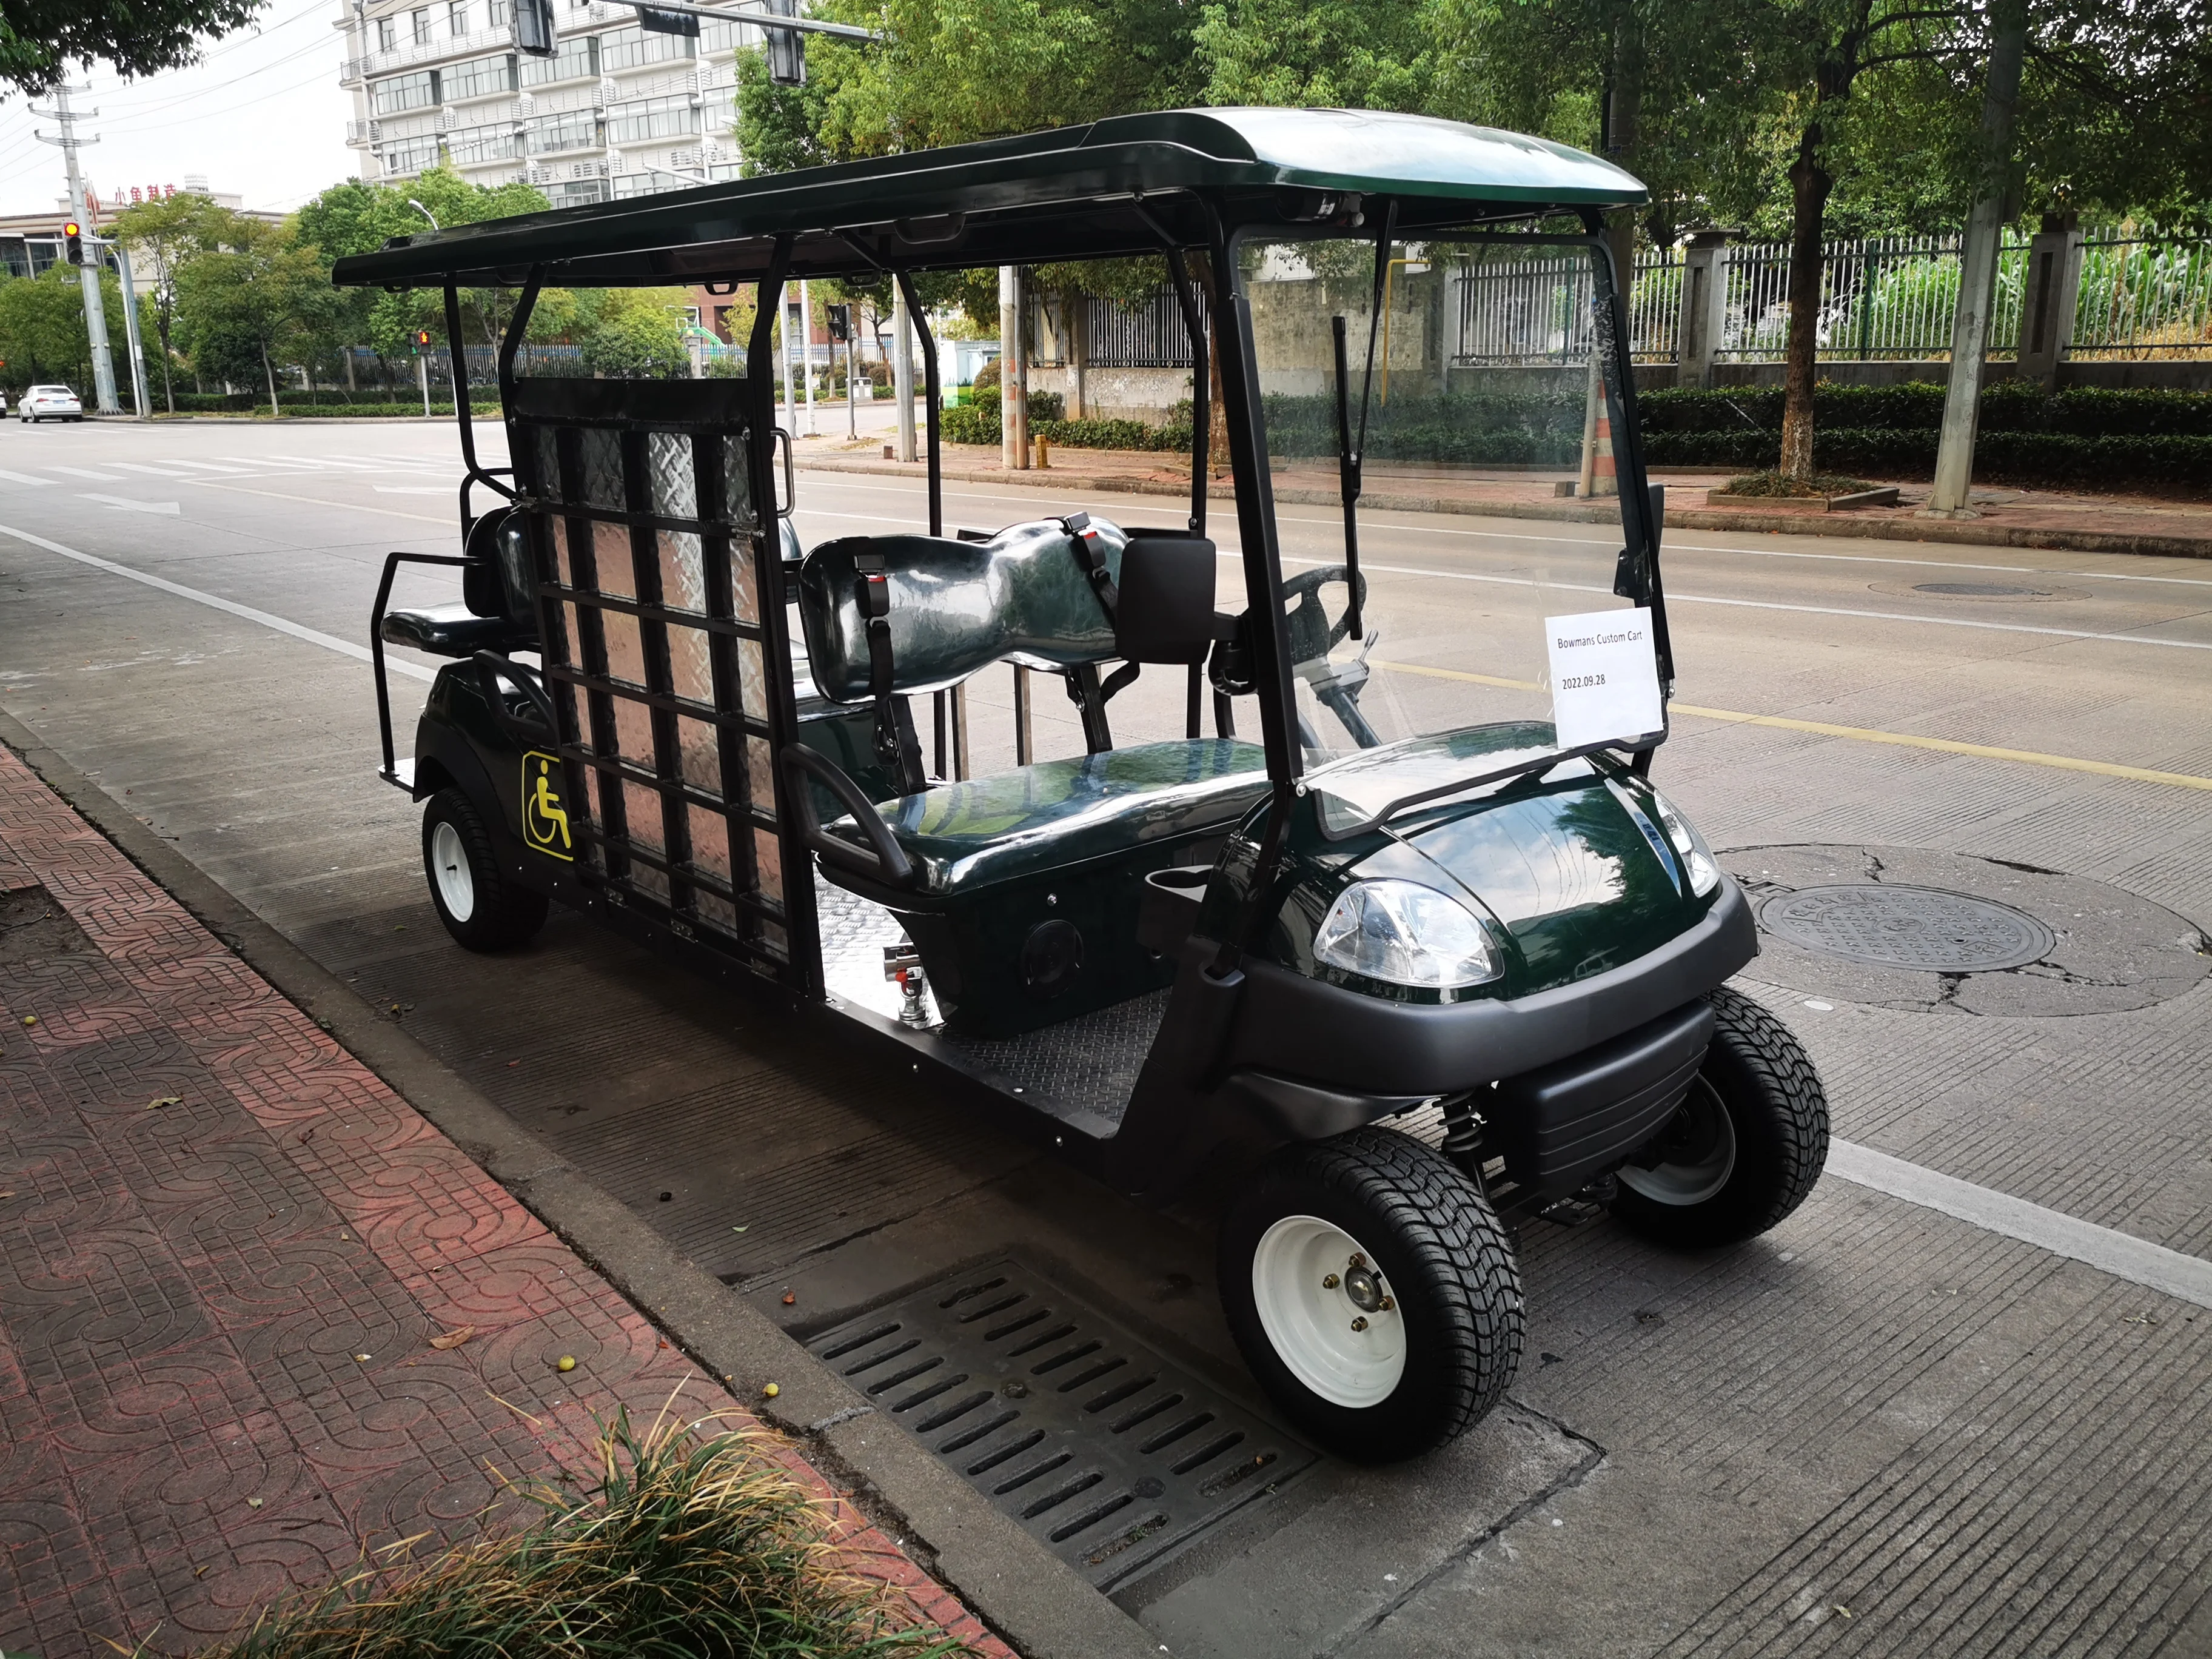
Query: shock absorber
x=1463, y=1127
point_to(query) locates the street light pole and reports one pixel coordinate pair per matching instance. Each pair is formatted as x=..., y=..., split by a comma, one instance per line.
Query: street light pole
x=96, y=313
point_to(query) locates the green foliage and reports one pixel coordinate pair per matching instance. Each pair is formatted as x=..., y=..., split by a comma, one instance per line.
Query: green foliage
x=685, y=1543
x=632, y=334
x=1349, y=54
x=2093, y=437
x=39, y=39
x=42, y=332
x=257, y=301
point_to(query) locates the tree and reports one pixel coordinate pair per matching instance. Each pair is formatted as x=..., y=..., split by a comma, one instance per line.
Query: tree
x=42, y=333
x=39, y=39
x=632, y=334
x=259, y=301
x=168, y=232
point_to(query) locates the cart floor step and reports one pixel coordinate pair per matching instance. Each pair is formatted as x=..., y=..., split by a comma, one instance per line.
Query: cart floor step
x=1105, y=1453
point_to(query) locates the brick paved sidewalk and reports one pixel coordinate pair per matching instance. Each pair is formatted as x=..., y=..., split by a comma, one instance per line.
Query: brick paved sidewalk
x=188, y=1424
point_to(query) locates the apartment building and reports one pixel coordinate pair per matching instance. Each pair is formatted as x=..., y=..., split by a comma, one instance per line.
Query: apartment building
x=618, y=112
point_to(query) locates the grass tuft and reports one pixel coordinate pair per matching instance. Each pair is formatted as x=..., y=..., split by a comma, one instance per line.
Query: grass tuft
x=688, y=1545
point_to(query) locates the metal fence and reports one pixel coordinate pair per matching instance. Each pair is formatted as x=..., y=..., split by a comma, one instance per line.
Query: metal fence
x=1885, y=299
x=1529, y=309
x=2142, y=300
x=1889, y=298
x=1149, y=335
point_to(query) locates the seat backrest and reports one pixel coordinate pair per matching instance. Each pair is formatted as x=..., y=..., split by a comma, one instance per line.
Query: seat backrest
x=1025, y=597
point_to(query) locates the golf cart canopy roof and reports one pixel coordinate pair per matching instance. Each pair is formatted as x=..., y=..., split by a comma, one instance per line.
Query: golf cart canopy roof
x=1108, y=188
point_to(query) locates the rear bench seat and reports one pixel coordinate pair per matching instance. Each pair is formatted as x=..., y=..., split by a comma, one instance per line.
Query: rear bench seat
x=1055, y=814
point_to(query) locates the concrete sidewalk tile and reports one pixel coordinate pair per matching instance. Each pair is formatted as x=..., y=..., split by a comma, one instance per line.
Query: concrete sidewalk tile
x=216, y=1380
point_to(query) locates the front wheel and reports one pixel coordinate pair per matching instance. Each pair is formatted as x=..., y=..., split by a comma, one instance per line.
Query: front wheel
x=483, y=907
x=1373, y=1293
x=1747, y=1143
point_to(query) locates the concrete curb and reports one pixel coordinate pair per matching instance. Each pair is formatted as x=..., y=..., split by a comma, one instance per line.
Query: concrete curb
x=1028, y=1597
x=1965, y=534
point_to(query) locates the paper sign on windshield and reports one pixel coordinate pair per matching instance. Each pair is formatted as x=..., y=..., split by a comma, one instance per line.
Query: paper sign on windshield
x=1605, y=676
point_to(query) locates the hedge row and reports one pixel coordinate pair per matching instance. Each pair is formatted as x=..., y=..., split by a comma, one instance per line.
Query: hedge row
x=969, y=425
x=2082, y=411
x=2042, y=459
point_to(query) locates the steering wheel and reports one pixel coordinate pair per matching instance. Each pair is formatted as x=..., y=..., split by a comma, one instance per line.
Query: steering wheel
x=1312, y=634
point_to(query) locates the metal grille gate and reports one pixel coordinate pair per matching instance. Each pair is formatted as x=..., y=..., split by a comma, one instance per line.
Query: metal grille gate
x=643, y=534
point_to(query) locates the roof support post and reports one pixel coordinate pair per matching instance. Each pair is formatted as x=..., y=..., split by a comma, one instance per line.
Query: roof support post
x=911, y=302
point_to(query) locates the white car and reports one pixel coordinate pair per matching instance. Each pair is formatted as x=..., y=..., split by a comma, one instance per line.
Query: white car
x=43, y=403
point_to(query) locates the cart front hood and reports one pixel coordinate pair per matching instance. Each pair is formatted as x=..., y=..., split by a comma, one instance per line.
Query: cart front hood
x=1581, y=882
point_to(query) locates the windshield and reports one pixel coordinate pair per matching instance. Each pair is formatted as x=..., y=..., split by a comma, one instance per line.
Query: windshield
x=1496, y=627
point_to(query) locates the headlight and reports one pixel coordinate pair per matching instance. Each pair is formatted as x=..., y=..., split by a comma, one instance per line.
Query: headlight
x=1697, y=857
x=1407, y=934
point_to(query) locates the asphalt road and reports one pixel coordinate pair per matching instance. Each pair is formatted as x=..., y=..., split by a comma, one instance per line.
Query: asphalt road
x=1956, y=1405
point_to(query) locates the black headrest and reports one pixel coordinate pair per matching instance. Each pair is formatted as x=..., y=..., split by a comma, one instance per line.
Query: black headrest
x=1165, y=613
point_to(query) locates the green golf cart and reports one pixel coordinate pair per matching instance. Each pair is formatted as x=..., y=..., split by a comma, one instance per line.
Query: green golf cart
x=1337, y=883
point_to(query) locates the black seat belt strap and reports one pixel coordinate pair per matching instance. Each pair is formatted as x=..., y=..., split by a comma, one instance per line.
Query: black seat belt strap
x=896, y=746
x=1077, y=525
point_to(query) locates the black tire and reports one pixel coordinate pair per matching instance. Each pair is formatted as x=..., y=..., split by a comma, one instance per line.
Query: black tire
x=500, y=911
x=1437, y=1249
x=1758, y=1085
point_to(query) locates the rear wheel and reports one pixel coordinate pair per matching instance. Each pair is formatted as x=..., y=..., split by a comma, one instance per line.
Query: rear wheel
x=1373, y=1293
x=482, y=906
x=1747, y=1143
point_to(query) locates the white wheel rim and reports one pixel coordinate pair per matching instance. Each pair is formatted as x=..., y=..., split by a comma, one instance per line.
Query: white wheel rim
x=1309, y=1321
x=1699, y=1153
x=449, y=868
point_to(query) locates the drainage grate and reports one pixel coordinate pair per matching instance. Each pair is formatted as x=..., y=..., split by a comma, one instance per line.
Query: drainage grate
x=1105, y=1454
x=1917, y=928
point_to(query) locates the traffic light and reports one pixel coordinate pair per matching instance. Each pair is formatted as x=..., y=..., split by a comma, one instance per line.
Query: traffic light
x=73, y=243
x=841, y=322
x=786, y=48
x=422, y=341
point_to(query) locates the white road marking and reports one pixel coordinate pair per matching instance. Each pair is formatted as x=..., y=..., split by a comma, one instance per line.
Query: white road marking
x=26, y=478
x=327, y=460
x=2121, y=1255
x=141, y=466
x=127, y=505
x=283, y=625
x=413, y=490
x=86, y=473
x=209, y=466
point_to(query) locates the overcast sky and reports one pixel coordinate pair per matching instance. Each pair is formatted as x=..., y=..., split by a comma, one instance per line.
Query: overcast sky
x=263, y=116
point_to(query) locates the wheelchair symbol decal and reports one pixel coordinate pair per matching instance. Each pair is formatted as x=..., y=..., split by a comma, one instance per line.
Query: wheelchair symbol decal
x=544, y=819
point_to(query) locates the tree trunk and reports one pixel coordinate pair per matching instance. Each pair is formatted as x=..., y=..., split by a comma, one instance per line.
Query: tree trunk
x=269, y=369
x=169, y=391
x=1625, y=118
x=1809, y=185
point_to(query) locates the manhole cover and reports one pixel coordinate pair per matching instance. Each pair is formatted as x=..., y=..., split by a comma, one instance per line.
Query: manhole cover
x=1921, y=927
x=1982, y=590
x=1081, y=1435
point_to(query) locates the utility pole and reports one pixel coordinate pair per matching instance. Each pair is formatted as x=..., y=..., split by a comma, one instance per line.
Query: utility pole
x=806, y=348
x=95, y=315
x=1978, y=269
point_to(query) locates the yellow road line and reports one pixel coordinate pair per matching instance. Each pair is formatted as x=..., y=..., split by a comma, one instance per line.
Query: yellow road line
x=1859, y=733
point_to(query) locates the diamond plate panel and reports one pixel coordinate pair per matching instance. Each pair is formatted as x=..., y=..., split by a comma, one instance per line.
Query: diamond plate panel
x=673, y=486
x=603, y=469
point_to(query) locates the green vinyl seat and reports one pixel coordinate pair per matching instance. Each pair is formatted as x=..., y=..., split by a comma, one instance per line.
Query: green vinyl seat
x=1054, y=815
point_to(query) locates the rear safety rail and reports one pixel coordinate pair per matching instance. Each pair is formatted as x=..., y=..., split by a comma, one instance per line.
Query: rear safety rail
x=390, y=771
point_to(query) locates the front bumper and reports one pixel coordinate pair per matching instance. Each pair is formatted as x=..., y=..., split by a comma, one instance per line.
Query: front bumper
x=1330, y=1040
